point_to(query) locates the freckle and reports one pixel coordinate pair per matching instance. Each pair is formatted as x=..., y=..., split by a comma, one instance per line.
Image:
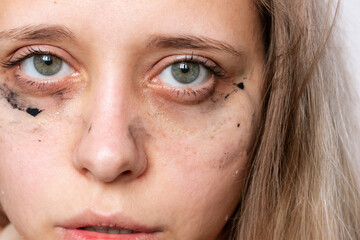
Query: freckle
x=39, y=140
x=36, y=129
x=213, y=100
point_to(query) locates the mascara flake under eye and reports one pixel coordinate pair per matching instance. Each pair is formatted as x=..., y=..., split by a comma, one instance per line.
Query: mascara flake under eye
x=16, y=102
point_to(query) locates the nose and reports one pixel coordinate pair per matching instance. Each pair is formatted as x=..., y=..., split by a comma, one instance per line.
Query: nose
x=110, y=148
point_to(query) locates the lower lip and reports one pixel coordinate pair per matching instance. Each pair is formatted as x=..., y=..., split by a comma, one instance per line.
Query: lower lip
x=79, y=234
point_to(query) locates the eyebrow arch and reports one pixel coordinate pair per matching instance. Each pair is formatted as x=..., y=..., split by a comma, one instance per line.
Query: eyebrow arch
x=38, y=32
x=192, y=42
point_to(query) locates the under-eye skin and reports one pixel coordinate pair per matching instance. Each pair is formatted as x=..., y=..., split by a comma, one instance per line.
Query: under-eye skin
x=186, y=79
x=16, y=102
x=41, y=70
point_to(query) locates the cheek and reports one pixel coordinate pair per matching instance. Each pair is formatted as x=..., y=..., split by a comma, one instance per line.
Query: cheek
x=31, y=176
x=200, y=169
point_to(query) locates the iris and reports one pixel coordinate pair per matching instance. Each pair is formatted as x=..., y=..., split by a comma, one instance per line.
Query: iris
x=185, y=72
x=47, y=65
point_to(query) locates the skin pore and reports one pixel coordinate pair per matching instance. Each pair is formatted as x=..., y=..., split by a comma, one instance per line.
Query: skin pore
x=114, y=135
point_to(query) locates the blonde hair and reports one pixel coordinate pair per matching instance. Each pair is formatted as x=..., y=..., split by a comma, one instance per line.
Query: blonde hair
x=303, y=177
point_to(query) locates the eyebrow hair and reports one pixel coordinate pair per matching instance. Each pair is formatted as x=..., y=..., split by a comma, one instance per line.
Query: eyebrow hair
x=193, y=42
x=38, y=32
x=58, y=32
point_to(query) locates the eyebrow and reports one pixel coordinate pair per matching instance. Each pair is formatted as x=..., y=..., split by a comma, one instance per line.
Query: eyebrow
x=58, y=33
x=37, y=32
x=193, y=42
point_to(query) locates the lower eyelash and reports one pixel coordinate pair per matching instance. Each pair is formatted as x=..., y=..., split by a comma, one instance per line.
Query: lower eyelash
x=185, y=95
x=190, y=92
x=29, y=83
x=41, y=86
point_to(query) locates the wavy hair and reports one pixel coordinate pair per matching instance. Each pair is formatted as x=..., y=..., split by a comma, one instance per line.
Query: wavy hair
x=303, y=181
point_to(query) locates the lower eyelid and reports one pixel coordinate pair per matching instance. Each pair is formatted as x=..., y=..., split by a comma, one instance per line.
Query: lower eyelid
x=42, y=87
x=184, y=95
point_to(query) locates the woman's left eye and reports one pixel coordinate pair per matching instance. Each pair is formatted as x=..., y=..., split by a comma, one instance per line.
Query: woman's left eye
x=45, y=66
x=186, y=79
x=185, y=74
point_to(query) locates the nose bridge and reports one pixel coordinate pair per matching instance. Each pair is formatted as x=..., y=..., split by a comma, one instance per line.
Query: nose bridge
x=112, y=102
x=107, y=149
x=109, y=109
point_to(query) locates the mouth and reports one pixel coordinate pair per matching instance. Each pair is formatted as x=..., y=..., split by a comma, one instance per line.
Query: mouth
x=106, y=233
x=91, y=226
x=109, y=230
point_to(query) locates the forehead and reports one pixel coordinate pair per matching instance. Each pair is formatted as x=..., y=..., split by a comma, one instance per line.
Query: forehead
x=127, y=20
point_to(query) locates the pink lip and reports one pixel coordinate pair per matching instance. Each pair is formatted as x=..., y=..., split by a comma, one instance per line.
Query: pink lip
x=71, y=229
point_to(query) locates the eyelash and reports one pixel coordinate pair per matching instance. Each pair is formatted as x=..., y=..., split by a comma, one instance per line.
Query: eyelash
x=45, y=86
x=30, y=53
x=187, y=95
x=183, y=94
x=214, y=69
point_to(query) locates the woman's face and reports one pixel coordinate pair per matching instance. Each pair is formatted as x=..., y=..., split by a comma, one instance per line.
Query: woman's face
x=126, y=114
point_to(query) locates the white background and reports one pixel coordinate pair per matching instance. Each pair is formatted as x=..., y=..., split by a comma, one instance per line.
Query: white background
x=350, y=25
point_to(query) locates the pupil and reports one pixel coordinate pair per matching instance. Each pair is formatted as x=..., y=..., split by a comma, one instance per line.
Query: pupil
x=47, y=60
x=184, y=68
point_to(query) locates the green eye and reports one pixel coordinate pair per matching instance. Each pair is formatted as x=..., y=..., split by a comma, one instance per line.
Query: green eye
x=47, y=65
x=185, y=72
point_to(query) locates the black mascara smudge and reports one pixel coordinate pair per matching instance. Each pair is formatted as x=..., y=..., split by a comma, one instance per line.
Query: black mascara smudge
x=33, y=111
x=240, y=85
x=13, y=99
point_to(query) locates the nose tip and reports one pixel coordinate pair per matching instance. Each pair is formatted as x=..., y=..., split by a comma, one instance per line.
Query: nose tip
x=107, y=156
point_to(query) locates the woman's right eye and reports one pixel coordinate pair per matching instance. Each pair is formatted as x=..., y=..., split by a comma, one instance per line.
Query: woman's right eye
x=42, y=70
x=45, y=67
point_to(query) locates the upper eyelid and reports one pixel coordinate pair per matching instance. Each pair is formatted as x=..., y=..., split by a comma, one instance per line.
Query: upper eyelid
x=167, y=61
x=30, y=51
x=12, y=62
x=69, y=59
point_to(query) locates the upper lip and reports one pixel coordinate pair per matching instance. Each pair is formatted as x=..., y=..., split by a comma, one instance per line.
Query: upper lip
x=90, y=218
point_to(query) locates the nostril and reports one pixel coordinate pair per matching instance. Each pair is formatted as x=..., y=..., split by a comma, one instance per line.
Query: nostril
x=126, y=173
